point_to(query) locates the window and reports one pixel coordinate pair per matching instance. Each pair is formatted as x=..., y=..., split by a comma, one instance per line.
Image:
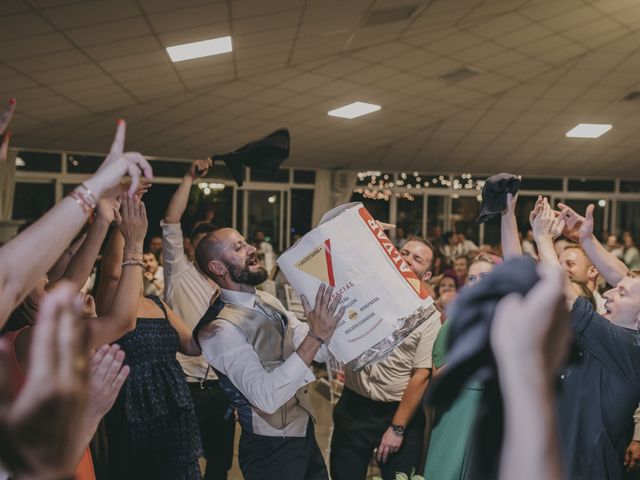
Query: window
x=166, y=168
x=409, y=215
x=83, y=163
x=266, y=175
x=584, y=185
x=304, y=176
x=301, y=211
x=580, y=206
x=32, y=200
x=264, y=215
x=379, y=209
x=628, y=219
x=240, y=211
x=629, y=186
x=435, y=216
x=541, y=184
x=464, y=213
x=219, y=171
x=38, y=162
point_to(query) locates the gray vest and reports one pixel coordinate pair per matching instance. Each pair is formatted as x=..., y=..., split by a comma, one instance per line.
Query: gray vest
x=273, y=347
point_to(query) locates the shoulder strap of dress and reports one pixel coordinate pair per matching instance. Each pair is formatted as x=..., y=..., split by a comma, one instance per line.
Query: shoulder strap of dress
x=158, y=302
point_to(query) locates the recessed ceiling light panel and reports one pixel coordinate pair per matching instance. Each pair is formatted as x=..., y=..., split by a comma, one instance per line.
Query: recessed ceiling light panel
x=205, y=48
x=588, y=130
x=354, y=110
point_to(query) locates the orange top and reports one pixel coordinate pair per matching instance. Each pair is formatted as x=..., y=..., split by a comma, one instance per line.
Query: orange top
x=84, y=470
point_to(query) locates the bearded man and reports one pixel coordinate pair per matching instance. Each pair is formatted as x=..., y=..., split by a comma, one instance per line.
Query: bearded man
x=261, y=354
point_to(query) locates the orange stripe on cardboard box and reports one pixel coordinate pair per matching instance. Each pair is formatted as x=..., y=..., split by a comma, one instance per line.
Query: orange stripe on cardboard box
x=393, y=254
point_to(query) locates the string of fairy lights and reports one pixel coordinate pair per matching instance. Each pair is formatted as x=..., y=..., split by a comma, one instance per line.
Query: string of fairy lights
x=382, y=186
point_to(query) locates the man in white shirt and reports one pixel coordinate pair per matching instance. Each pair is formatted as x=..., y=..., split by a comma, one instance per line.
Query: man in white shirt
x=262, y=355
x=189, y=293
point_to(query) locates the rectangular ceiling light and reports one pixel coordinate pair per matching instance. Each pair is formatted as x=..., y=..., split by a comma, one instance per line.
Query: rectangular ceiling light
x=354, y=110
x=588, y=130
x=205, y=48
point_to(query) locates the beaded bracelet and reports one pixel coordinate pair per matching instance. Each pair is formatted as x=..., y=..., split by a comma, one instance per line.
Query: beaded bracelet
x=88, y=191
x=82, y=200
x=133, y=262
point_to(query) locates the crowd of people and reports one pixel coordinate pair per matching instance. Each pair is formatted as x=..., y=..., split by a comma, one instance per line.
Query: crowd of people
x=146, y=369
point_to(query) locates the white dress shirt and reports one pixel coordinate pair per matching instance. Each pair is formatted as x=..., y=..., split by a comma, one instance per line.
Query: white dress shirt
x=599, y=302
x=187, y=292
x=226, y=349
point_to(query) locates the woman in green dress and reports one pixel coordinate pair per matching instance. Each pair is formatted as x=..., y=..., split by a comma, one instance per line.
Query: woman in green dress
x=450, y=446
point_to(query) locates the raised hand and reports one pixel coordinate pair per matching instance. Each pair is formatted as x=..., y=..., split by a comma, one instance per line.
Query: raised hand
x=119, y=163
x=511, y=204
x=108, y=206
x=578, y=228
x=325, y=315
x=545, y=221
x=537, y=208
x=134, y=223
x=106, y=379
x=534, y=329
x=39, y=431
x=199, y=168
x=5, y=118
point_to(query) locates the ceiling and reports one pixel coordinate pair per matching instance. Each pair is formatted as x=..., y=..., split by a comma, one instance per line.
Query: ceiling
x=531, y=70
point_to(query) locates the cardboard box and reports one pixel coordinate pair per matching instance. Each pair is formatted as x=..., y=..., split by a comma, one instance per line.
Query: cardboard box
x=385, y=300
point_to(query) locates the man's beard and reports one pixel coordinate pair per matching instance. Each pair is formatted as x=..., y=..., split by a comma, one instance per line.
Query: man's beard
x=247, y=276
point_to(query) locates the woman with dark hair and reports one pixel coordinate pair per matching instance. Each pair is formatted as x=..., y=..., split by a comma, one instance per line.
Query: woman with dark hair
x=152, y=430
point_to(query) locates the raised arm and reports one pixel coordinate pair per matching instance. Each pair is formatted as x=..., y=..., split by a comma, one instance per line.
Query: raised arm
x=180, y=198
x=546, y=227
x=122, y=313
x=82, y=263
x=530, y=338
x=62, y=263
x=509, y=238
x=31, y=254
x=580, y=229
x=110, y=271
x=188, y=346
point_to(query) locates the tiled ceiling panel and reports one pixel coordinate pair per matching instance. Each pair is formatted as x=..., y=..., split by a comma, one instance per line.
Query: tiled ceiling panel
x=465, y=84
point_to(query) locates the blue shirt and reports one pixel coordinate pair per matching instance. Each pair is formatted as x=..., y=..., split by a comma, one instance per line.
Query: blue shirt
x=598, y=397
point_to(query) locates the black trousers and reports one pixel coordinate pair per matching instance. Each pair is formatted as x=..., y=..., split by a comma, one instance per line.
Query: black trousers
x=211, y=406
x=358, y=426
x=281, y=458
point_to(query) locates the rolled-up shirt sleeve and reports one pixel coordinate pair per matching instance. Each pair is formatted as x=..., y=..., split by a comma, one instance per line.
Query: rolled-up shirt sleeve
x=226, y=350
x=173, y=255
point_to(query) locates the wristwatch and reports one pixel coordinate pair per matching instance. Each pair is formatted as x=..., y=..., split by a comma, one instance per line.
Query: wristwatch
x=397, y=429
